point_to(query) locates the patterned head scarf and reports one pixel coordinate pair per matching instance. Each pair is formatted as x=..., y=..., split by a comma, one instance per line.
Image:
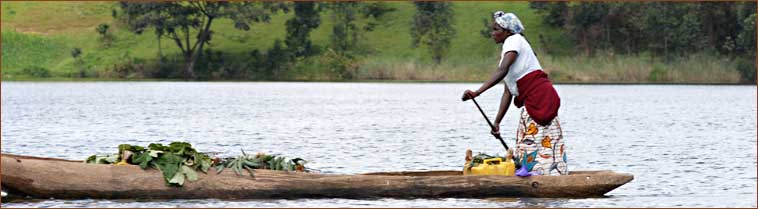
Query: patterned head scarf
x=508, y=21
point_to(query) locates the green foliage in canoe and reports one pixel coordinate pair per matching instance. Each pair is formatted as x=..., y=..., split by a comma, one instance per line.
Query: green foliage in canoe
x=103, y=159
x=260, y=161
x=179, y=161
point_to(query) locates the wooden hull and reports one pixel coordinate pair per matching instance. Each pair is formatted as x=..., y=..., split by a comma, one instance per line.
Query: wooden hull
x=56, y=178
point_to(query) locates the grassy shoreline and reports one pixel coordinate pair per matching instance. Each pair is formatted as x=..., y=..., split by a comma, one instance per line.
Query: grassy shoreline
x=698, y=69
x=65, y=80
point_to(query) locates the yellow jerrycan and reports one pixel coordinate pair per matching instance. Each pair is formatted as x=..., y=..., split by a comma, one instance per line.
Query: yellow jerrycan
x=494, y=166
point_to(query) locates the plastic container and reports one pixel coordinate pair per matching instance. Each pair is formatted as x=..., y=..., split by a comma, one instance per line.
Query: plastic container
x=494, y=166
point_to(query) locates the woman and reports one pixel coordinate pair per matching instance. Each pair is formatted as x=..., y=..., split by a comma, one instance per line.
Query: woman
x=540, y=147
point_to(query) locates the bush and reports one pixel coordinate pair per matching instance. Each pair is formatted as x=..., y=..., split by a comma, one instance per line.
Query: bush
x=106, y=38
x=657, y=74
x=76, y=52
x=277, y=60
x=166, y=68
x=126, y=67
x=102, y=29
x=747, y=69
x=210, y=65
x=343, y=67
x=36, y=71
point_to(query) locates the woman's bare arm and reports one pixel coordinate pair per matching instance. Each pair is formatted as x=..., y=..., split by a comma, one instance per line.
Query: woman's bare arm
x=497, y=76
x=505, y=102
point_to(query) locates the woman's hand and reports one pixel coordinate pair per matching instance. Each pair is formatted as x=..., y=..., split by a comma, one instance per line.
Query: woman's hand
x=468, y=94
x=496, y=130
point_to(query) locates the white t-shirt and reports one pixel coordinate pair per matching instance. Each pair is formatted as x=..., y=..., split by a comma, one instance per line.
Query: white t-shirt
x=526, y=62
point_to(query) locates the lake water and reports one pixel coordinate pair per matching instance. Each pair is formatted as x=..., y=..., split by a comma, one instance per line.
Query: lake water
x=687, y=145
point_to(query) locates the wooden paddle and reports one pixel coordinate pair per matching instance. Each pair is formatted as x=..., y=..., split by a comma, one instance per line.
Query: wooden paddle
x=491, y=126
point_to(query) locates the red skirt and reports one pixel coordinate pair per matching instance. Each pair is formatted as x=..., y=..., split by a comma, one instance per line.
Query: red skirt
x=536, y=92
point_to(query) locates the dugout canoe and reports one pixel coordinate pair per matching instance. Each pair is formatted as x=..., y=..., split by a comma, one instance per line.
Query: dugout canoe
x=66, y=179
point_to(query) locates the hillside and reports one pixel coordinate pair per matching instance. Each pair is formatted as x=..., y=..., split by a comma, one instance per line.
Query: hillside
x=42, y=35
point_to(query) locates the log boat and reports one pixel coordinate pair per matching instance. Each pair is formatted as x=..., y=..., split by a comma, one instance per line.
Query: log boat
x=65, y=179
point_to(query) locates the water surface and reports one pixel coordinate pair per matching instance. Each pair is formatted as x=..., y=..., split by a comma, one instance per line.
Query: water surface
x=688, y=146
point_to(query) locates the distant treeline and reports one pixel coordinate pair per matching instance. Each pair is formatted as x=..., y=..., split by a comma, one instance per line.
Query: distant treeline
x=666, y=30
x=188, y=25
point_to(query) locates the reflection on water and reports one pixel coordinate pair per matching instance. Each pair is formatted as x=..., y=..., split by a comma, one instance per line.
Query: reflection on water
x=691, y=146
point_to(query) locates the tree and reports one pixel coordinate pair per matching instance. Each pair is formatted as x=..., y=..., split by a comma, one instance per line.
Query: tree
x=137, y=25
x=672, y=29
x=185, y=22
x=105, y=37
x=299, y=27
x=433, y=26
x=276, y=59
x=102, y=29
x=487, y=28
x=346, y=31
x=623, y=28
x=746, y=39
x=585, y=24
x=665, y=29
x=76, y=53
x=554, y=13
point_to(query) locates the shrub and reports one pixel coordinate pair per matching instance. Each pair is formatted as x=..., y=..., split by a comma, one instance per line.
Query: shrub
x=343, y=67
x=747, y=69
x=76, y=52
x=36, y=71
x=106, y=38
x=657, y=74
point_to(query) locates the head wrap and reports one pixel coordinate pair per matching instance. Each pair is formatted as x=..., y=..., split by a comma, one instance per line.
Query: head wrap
x=508, y=21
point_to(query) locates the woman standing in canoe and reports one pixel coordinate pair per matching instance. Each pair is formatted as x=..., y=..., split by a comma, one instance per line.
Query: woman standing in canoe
x=540, y=146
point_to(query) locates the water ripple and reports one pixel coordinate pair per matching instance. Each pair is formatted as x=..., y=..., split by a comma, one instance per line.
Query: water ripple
x=684, y=150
